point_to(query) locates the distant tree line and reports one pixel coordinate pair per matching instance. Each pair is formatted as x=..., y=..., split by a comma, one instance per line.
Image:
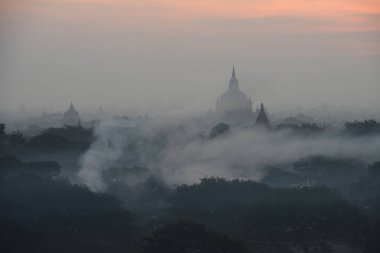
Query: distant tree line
x=67, y=138
x=356, y=128
x=366, y=127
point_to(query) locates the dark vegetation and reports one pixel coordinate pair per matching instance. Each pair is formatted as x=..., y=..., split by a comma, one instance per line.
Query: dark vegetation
x=11, y=166
x=304, y=129
x=219, y=129
x=61, y=139
x=68, y=138
x=315, y=204
x=354, y=129
x=366, y=127
x=256, y=212
x=317, y=170
x=45, y=215
x=189, y=236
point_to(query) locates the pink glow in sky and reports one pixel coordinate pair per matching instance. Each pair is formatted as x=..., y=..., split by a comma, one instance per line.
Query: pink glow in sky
x=344, y=15
x=303, y=51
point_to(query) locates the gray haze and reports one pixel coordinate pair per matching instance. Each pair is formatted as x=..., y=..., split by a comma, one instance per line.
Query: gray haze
x=55, y=53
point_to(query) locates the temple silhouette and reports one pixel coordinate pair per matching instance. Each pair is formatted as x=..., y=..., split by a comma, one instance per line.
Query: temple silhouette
x=71, y=116
x=234, y=107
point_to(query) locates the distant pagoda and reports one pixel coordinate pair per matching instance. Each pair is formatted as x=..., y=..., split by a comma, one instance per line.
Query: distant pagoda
x=71, y=117
x=234, y=106
x=262, y=118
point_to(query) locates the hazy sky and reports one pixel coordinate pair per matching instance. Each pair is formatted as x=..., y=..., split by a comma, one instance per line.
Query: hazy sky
x=175, y=56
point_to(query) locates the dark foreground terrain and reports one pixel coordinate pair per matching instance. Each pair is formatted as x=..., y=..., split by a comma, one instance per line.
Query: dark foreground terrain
x=315, y=204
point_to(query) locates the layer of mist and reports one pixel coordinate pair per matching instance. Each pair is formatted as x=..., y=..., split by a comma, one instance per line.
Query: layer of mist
x=180, y=154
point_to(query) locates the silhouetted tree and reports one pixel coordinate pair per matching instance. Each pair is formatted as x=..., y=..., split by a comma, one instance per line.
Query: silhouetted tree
x=306, y=129
x=68, y=138
x=366, y=192
x=219, y=129
x=362, y=127
x=73, y=133
x=2, y=130
x=278, y=177
x=373, y=244
x=16, y=139
x=48, y=142
x=11, y=166
x=330, y=171
x=257, y=212
x=374, y=170
x=45, y=215
x=189, y=237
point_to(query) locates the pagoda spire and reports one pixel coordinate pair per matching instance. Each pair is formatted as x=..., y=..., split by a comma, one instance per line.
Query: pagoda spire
x=234, y=84
x=262, y=118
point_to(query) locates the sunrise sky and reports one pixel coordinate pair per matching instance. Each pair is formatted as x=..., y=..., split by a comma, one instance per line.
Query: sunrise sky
x=162, y=55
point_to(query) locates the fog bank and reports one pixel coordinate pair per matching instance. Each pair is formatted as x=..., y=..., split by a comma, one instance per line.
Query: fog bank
x=184, y=154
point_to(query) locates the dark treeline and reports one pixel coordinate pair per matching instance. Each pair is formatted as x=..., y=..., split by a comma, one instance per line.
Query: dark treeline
x=356, y=128
x=67, y=138
x=78, y=138
x=45, y=215
x=314, y=204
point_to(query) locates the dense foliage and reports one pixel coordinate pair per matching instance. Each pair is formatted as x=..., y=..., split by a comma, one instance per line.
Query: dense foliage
x=311, y=204
x=186, y=236
x=45, y=215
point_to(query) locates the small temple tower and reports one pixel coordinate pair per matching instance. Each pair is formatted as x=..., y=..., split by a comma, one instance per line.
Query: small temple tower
x=262, y=118
x=71, y=117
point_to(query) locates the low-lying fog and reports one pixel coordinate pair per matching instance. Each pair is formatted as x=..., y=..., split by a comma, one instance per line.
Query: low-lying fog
x=184, y=154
